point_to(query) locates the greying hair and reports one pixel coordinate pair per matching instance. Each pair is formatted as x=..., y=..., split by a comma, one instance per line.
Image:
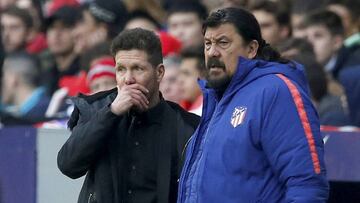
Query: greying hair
x=25, y=65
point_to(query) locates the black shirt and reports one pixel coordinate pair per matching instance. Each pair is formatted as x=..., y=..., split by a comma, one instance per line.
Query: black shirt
x=138, y=181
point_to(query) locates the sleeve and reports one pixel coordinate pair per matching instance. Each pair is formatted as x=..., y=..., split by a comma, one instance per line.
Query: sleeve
x=291, y=140
x=85, y=143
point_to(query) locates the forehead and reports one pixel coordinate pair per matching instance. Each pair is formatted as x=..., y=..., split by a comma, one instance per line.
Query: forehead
x=124, y=57
x=264, y=16
x=11, y=19
x=182, y=16
x=225, y=30
x=188, y=63
x=318, y=28
x=58, y=23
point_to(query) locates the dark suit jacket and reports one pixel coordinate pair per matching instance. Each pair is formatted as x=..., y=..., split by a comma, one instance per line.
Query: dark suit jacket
x=92, y=148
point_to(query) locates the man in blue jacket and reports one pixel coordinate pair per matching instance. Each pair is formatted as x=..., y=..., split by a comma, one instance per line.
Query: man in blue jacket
x=259, y=137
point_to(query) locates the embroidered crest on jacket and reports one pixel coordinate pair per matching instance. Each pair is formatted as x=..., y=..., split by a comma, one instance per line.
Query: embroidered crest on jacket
x=238, y=116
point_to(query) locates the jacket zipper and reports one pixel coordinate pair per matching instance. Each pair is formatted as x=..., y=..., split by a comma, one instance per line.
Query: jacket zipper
x=89, y=199
x=186, y=167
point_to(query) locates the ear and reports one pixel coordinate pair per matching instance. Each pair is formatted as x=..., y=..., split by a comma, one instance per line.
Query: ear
x=160, y=71
x=252, y=49
x=284, y=32
x=31, y=34
x=338, y=42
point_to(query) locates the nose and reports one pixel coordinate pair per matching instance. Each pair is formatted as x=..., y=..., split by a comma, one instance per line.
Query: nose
x=129, y=78
x=213, y=51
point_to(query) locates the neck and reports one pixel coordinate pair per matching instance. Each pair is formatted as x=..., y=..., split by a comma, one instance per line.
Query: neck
x=154, y=100
x=64, y=61
x=22, y=94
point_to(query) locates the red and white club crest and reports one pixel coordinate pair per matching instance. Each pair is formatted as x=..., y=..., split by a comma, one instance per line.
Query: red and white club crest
x=238, y=116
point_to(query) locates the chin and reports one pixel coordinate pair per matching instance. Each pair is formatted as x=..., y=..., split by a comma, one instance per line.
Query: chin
x=219, y=82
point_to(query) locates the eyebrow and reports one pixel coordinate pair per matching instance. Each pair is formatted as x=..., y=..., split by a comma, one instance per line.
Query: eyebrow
x=118, y=65
x=218, y=38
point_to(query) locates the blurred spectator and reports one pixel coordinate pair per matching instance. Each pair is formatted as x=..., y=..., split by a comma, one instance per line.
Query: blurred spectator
x=4, y=4
x=22, y=96
x=152, y=7
x=298, y=46
x=54, y=5
x=169, y=44
x=36, y=39
x=217, y=4
x=274, y=21
x=61, y=104
x=169, y=85
x=185, y=22
x=61, y=44
x=299, y=9
x=100, y=50
x=326, y=33
x=349, y=54
x=101, y=21
x=347, y=68
x=16, y=25
x=295, y=46
x=101, y=76
x=350, y=79
x=327, y=94
x=332, y=110
x=192, y=68
x=141, y=19
x=349, y=11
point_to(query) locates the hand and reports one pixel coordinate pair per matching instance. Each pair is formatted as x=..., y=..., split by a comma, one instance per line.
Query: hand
x=130, y=96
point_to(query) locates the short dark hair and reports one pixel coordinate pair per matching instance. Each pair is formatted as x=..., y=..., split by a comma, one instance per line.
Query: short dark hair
x=280, y=13
x=329, y=19
x=189, y=7
x=109, y=12
x=300, y=44
x=68, y=15
x=198, y=54
x=23, y=14
x=302, y=7
x=145, y=15
x=247, y=27
x=140, y=39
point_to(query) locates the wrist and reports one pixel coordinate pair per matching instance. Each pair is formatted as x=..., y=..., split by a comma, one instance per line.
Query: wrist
x=115, y=111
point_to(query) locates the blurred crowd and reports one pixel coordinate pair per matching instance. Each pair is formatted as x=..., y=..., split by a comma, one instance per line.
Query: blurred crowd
x=53, y=50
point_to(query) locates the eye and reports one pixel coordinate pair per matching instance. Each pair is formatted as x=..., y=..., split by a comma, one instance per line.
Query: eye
x=207, y=45
x=223, y=43
x=121, y=69
x=138, y=68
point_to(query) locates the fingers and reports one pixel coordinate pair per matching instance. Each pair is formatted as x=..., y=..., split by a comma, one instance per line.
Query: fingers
x=143, y=89
x=139, y=102
x=132, y=95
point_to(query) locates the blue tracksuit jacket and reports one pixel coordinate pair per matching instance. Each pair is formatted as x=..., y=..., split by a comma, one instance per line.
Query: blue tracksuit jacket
x=259, y=142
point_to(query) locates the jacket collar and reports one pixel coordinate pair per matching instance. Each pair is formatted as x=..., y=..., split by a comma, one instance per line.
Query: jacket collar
x=152, y=115
x=244, y=67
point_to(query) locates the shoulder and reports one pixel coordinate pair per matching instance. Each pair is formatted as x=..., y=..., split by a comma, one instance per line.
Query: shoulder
x=86, y=105
x=269, y=86
x=97, y=96
x=189, y=118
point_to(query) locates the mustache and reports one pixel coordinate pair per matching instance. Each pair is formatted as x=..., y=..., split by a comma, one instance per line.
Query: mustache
x=214, y=62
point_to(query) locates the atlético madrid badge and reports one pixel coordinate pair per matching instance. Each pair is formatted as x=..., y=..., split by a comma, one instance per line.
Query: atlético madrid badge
x=238, y=116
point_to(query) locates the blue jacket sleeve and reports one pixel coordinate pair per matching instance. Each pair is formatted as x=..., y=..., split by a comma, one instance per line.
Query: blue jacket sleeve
x=291, y=139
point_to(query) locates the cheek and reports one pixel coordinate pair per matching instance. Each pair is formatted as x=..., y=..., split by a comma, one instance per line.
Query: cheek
x=231, y=60
x=119, y=80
